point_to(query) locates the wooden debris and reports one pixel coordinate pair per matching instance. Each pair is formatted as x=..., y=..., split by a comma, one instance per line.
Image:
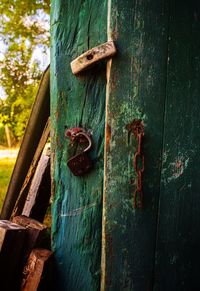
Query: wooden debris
x=37, y=274
x=35, y=234
x=12, y=238
x=93, y=56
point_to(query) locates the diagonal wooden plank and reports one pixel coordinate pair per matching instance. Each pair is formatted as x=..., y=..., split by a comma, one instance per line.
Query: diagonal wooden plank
x=35, y=127
x=26, y=185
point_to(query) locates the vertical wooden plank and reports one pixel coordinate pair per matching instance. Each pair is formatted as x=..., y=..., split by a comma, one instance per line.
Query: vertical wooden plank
x=136, y=90
x=77, y=26
x=178, y=252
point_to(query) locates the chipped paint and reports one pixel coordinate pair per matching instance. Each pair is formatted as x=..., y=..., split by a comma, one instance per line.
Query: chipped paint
x=174, y=170
x=80, y=101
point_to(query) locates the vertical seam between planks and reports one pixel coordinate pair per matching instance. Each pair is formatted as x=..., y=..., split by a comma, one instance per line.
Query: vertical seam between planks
x=108, y=70
x=162, y=145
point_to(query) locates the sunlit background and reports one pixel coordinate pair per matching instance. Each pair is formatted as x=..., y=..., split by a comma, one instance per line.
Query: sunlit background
x=24, y=54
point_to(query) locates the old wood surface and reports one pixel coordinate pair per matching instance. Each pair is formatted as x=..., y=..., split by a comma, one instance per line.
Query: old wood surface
x=37, y=274
x=154, y=78
x=76, y=27
x=93, y=56
x=27, y=182
x=178, y=253
x=35, y=234
x=12, y=237
x=38, y=197
x=136, y=90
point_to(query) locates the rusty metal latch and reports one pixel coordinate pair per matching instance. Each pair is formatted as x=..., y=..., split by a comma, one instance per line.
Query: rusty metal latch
x=93, y=56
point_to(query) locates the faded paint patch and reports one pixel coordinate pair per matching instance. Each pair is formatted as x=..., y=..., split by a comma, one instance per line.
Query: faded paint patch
x=179, y=166
x=175, y=169
x=173, y=259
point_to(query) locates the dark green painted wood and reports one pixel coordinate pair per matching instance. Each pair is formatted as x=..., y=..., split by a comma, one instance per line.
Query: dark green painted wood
x=137, y=91
x=154, y=77
x=77, y=26
x=178, y=252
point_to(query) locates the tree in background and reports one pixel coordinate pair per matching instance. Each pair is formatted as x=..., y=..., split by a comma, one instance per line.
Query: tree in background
x=24, y=31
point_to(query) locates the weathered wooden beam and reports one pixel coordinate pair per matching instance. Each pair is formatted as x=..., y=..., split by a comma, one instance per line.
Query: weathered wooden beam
x=37, y=200
x=26, y=185
x=77, y=101
x=136, y=84
x=12, y=237
x=35, y=127
x=37, y=274
x=35, y=234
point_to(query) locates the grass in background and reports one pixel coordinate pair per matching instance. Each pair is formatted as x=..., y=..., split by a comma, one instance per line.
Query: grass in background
x=6, y=167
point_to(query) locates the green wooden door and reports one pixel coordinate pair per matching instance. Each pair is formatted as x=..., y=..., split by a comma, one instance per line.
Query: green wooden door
x=99, y=239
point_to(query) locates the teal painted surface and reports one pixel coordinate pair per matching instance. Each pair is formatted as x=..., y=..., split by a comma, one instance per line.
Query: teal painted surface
x=137, y=91
x=77, y=26
x=154, y=77
x=178, y=252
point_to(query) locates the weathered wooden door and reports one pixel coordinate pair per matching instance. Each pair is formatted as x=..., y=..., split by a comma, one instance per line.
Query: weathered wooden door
x=99, y=239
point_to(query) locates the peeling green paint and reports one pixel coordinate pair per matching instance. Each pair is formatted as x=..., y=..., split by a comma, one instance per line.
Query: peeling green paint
x=77, y=26
x=155, y=78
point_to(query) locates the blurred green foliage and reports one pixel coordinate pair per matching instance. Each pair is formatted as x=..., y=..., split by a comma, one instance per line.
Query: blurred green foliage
x=24, y=26
x=6, y=167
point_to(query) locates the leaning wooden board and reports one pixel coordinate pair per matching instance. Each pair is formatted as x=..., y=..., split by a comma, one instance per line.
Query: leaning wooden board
x=155, y=78
x=77, y=26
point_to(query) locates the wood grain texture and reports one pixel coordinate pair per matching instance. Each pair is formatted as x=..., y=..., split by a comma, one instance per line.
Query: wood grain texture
x=93, y=56
x=77, y=26
x=36, y=234
x=136, y=90
x=27, y=182
x=178, y=253
x=37, y=274
x=38, y=197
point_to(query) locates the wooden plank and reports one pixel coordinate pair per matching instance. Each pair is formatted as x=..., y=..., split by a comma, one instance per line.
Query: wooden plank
x=93, y=56
x=178, y=253
x=38, y=271
x=35, y=234
x=11, y=248
x=136, y=90
x=26, y=185
x=76, y=27
x=37, y=121
x=38, y=197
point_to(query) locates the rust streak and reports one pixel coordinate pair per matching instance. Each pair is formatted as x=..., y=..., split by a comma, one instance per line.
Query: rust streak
x=108, y=135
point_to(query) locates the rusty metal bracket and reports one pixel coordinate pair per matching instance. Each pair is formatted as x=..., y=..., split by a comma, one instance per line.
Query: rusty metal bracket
x=93, y=56
x=137, y=128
